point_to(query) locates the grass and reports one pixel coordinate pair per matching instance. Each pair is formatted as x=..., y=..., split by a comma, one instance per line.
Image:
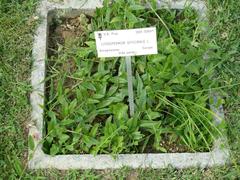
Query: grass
x=89, y=96
x=16, y=30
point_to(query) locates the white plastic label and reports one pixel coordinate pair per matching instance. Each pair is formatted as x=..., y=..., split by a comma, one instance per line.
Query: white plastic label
x=131, y=42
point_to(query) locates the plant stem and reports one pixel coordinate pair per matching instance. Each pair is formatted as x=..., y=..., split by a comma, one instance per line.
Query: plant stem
x=161, y=20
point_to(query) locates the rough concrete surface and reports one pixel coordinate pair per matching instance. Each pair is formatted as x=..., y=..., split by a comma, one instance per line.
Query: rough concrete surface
x=37, y=158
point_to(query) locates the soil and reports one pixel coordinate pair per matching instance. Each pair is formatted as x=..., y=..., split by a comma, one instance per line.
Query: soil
x=64, y=30
x=170, y=145
x=173, y=147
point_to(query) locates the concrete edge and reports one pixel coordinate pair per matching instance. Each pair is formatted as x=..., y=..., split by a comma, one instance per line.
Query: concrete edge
x=176, y=160
x=39, y=160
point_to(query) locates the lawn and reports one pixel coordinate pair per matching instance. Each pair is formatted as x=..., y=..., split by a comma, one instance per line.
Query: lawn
x=17, y=25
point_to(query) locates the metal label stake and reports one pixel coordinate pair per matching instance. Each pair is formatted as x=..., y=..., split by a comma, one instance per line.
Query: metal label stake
x=130, y=85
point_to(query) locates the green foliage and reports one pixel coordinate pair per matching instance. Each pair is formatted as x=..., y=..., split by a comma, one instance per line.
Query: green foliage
x=15, y=65
x=14, y=105
x=87, y=108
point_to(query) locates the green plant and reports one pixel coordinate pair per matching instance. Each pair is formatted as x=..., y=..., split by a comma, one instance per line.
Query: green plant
x=15, y=75
x=87, y=108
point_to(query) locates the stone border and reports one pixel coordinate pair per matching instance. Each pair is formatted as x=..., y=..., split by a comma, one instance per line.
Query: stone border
x=39, y=160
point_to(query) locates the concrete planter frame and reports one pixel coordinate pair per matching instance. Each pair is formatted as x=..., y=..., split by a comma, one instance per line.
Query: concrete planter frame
x=39, y=160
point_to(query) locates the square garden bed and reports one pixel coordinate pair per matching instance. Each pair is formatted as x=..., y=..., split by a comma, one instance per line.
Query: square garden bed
x=80, y=116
